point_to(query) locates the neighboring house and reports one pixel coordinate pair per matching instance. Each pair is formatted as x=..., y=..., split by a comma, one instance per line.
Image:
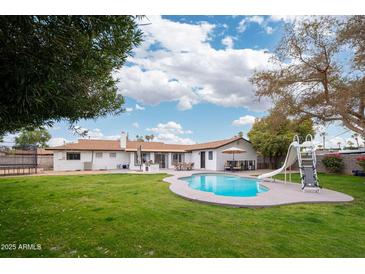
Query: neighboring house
x=89, y=154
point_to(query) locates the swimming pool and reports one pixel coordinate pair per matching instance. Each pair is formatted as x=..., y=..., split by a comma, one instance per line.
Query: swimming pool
x=225, y=185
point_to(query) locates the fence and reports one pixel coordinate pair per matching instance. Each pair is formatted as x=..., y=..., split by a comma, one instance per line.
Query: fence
x=18, y=161
x=349, y=160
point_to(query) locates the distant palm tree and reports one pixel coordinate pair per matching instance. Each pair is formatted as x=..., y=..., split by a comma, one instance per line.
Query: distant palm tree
x=139, y=138
x=350, y=144
x=148, y=138
x=339, y=145
x=356, y=137
x=323, y=135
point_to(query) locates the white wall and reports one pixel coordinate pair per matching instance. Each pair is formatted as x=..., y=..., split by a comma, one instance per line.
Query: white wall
x=131, y=161
x=219, y=158
x=60, y=162
x=250, y=153
x=209, y=164
x=107, y=162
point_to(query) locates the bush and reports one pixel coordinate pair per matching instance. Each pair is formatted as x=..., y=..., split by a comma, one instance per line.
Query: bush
x=333, y=163
x=361, y=162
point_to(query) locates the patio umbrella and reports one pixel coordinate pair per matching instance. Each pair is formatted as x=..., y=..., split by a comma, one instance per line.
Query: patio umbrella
x=233, y=151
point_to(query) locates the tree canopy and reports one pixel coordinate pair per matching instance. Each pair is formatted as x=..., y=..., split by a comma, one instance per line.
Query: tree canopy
x=60, y=67
x=38, y=137
x=318, y=70
x=271, y=135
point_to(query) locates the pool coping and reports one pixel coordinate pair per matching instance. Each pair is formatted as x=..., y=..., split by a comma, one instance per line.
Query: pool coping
x=280, y=193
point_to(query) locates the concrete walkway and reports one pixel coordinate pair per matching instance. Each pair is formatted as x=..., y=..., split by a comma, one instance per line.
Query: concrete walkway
x=280, y=193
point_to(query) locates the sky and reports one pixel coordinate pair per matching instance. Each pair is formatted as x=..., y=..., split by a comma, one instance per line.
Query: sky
x=188, y=82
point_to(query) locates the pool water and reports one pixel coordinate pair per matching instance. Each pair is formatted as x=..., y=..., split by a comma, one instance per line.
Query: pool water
x=225, y=185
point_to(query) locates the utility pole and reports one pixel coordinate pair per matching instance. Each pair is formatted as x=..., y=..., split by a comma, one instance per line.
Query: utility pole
x=323, y=134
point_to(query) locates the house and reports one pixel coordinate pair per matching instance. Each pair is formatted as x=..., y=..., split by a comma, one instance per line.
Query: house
x=90, y=154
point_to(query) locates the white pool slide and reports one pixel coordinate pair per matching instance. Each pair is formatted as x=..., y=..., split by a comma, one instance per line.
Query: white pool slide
x=291, y=158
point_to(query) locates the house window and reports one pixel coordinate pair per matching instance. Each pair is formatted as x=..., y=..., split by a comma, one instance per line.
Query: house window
x=73, y=156
x=98, y=155
x=210, y=155
x=177, y=158
x=112, y=154
x=145, y=158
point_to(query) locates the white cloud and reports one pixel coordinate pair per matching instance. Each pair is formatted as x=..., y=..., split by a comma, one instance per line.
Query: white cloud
x=242, y=25
x=128, y=109
x=285, y=18
x=94, y=134
x=228, y=42
x=9, y=139
x=169, y=127
x=138, y=107
x=269, y=30
x=170, y=133
x=170, y=138
x=185, y=69
x=244, y=120
x=57, y=141
x=136, y=125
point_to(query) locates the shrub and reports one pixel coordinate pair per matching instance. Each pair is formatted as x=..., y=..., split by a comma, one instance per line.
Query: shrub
x=333, y=163
x=361, y=162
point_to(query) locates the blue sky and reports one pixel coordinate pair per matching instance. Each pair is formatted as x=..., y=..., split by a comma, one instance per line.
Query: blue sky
x=189, y=80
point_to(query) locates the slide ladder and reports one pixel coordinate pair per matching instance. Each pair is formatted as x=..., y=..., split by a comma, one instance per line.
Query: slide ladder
x=305, y=154
x=307, y=163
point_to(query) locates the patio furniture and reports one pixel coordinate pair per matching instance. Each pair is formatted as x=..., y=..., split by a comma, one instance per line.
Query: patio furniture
x=189, y=166
x=237, y=166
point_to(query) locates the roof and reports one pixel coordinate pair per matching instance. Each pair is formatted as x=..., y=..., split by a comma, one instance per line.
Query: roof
x=42, y=151
x=114, y=145
x=214, y=144
x=91, y=144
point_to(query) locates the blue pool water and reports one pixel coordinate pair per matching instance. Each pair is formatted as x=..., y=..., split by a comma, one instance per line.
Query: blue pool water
x=226, y=185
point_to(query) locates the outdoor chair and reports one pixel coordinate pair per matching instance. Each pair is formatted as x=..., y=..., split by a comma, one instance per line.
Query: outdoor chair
x=227, y=166
x=237, y=166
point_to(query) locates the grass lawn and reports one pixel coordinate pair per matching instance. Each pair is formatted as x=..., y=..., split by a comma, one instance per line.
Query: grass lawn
x=124, y=215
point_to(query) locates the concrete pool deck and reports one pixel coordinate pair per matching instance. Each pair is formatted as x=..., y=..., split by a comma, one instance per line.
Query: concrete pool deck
x=280, y=193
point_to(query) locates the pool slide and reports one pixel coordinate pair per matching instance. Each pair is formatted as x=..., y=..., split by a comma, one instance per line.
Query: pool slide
x=291, y=158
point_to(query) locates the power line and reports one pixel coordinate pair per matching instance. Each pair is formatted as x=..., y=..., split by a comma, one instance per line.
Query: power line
x=338, y=135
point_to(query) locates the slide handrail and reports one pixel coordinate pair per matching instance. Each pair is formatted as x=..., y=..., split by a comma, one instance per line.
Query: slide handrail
x=296, y=139
x=309, y=137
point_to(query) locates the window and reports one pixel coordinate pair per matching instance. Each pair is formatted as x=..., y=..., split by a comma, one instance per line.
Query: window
x=98, y=155
x=145, y=158
x=210, y=155
x=112, y=154
x=177, y=158
x=73, y=155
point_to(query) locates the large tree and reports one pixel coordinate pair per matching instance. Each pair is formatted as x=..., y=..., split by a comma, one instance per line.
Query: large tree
x=271, y=135
x=60, y=67
x=38, y=137
x=318, y=71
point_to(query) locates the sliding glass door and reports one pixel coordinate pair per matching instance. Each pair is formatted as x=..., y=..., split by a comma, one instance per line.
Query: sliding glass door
x=161, y=159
